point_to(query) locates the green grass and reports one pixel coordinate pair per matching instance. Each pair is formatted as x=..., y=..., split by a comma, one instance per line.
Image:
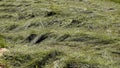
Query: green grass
x=2, y=42
x=117, y=1
x=60, y=34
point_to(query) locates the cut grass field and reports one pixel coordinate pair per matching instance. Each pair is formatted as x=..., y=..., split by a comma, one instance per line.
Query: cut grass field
x=60, y=34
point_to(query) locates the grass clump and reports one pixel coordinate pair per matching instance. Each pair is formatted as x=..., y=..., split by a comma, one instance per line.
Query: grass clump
x=2, y=42
x=18, y=58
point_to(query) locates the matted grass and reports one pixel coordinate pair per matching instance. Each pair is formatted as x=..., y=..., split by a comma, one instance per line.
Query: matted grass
x=60, y=34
